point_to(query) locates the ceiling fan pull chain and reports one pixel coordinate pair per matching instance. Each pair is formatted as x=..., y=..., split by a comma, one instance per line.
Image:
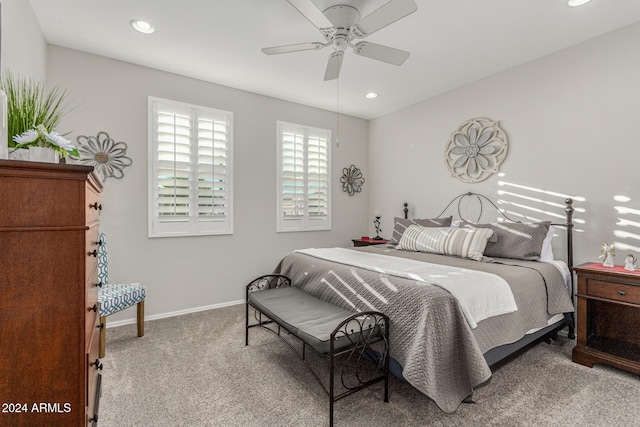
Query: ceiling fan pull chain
x=337, y=113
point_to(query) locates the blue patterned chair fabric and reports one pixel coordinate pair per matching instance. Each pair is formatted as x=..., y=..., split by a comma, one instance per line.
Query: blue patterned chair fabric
x=114, y=297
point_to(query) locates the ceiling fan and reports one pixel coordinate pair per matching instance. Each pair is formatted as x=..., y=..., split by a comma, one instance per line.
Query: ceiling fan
x=341, y=24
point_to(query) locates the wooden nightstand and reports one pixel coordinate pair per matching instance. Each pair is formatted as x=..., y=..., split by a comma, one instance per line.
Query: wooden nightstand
x=608, y=317
x=370, y=242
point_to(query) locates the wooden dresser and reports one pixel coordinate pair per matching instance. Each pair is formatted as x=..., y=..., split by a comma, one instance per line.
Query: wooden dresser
x=608, y=317
x=49, y=317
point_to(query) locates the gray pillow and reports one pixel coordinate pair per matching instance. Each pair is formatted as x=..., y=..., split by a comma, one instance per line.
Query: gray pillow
x=515, y=240
x=401, y=224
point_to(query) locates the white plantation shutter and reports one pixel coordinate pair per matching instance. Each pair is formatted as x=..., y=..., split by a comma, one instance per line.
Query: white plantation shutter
x=191, y=170
x=303, y=178
x=292, y=171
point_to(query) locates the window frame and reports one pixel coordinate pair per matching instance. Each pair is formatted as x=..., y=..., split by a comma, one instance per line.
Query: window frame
x=306, y=222
x=194, y=225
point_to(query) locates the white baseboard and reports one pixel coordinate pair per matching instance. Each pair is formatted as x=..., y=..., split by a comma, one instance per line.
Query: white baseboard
x=174, y=313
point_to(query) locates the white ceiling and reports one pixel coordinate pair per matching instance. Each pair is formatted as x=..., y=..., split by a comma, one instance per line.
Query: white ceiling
x=452, y=43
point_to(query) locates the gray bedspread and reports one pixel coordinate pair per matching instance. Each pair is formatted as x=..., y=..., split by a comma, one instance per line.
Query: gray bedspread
x=440, y=354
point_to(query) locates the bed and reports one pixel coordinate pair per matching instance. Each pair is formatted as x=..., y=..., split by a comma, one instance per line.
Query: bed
x=441, y=343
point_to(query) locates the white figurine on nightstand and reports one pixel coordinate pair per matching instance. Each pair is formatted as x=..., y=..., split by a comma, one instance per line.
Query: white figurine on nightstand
x=630, y=263
x=608, y=251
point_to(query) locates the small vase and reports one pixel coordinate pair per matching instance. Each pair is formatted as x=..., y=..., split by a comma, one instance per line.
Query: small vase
x=43, y=154
x=19, y=154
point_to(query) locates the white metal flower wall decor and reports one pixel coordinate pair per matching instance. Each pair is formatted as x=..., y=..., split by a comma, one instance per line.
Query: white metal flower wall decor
x=104, y=154
x=352, y=180
x=476, y=150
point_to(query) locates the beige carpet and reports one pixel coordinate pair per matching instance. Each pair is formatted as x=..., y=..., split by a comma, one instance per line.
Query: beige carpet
x=195, y=370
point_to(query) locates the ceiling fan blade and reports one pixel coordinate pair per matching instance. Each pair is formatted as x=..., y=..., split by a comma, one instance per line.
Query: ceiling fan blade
x=312, y=13
x=292, y=48
x=333, y=66
x=381, y=53
x=383, y=16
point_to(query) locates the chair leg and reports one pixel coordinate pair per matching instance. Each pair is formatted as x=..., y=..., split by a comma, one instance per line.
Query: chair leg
x=103, y=337
x=140, y=319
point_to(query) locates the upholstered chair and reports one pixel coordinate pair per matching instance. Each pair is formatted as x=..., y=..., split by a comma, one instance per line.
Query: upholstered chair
x=114, y=297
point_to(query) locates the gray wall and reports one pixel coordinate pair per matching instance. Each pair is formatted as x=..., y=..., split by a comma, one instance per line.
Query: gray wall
x=573, y=119
x=194, y=272
x=24, y=49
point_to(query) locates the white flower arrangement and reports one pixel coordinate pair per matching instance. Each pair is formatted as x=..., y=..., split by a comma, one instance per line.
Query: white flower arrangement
x=40, y=137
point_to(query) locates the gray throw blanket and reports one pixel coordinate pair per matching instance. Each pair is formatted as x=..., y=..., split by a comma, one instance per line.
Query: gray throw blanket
x=440, y=354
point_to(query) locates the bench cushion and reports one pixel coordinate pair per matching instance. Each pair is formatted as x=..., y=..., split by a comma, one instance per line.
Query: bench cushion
x=305, y=316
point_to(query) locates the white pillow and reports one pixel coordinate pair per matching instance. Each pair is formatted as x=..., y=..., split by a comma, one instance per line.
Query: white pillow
x=546, y=254
x=462, y=242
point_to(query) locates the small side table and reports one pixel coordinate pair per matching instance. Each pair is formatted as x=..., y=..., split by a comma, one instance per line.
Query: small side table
x=608, y=317
x=370, y=242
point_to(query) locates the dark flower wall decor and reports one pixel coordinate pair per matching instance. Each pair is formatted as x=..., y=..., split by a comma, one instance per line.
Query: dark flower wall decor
x=106, y=156
x=352, y=180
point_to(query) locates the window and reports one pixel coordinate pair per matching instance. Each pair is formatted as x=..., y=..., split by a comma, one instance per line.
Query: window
x=304, y=184
x=190, y=170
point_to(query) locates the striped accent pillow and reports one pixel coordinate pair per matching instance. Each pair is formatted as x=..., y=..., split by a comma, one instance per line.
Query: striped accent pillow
x=462, y=242
x=401, y=224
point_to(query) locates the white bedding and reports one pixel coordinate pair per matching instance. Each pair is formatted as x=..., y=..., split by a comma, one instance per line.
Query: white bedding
x=480, y=295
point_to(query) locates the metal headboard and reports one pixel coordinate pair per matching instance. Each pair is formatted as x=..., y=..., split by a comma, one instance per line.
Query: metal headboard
x=568, y=211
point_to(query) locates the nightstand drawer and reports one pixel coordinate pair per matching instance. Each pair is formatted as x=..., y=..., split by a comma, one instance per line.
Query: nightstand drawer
x=613, y=291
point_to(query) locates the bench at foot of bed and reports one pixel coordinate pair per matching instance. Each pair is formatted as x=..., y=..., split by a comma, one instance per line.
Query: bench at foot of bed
x=357, y=344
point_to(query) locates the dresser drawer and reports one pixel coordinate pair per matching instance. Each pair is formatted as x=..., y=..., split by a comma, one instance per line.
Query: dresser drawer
x=91, y=299
x=613, y=291
x=91, y=251
x=94, y=369
x=91, y=330
x=93, y=283
x=93, y=205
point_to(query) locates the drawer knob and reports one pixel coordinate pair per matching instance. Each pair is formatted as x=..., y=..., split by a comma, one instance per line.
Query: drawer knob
x=93, y=253
x=94, y=308
x=99, y=284
x=96, y=206
x=622, y=293
x=97, y=364
x=100, y=326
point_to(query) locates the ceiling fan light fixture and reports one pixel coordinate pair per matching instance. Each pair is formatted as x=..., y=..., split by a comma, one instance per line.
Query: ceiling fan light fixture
x=576, y=3
x=340, y=24
x=142, y=26
x=371, y=95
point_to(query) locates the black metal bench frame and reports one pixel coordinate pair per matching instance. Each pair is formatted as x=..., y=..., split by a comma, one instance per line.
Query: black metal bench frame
x=369, y=343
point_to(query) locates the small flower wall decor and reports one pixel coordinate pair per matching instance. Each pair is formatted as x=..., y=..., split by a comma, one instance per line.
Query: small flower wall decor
x=104, y=154
x=476, y=150
x=352, y=180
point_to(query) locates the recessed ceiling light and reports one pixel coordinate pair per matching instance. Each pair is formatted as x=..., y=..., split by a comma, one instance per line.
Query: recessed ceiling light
x=142, y=26
x=371, y=95
x=574, y=3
